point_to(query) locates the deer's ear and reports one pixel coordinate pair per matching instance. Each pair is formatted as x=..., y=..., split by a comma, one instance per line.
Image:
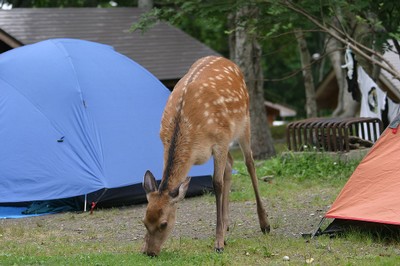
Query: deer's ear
x=149, y=182
x=179, y=192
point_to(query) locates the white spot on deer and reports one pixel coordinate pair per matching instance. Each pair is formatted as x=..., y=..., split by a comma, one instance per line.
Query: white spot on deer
x=206, y=105
x=206, y=113
x=205, y=84
x=210, y=121
x=218, y=101
x=234, y=93
x=211, y=78
x=216, y=69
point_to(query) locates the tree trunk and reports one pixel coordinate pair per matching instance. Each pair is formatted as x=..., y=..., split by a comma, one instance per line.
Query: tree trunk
x=311, y=103
x=246, y=52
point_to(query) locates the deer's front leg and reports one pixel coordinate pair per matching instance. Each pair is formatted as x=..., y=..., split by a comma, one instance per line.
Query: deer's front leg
x=218, y=183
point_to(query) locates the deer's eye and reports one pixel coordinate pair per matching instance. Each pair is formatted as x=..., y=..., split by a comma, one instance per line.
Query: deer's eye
x=163, y=225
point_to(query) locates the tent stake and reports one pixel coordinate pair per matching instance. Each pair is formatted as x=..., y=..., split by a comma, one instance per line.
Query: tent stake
x=84, y=208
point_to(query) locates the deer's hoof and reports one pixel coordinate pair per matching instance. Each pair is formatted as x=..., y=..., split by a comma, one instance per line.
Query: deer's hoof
x=266, y=229
x=219, y=250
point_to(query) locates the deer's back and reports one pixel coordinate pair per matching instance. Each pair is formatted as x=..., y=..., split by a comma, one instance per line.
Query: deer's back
x=208, y=103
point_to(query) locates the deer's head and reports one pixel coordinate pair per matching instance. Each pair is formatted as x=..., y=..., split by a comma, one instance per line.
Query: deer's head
x=159, y=219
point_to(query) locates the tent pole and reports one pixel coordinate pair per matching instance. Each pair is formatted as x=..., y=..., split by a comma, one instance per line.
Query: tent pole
x=317, y=232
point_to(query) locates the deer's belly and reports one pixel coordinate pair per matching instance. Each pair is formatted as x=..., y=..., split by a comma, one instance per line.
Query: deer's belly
x=202, y=156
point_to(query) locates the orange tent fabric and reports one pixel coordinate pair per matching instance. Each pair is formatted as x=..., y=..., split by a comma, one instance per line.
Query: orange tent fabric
x=372, y=193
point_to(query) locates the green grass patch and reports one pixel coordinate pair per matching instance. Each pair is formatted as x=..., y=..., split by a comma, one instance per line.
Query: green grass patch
x=263, y=250
x=285, y=175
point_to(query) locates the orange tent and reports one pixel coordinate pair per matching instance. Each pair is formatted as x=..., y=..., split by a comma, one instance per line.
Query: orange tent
x=372, y=194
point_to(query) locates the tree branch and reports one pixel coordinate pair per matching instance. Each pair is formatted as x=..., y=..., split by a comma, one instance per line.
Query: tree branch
x=347, y=40
x=297, y=71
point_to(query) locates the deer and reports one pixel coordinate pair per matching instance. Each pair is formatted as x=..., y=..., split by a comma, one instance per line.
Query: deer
x=207, y=110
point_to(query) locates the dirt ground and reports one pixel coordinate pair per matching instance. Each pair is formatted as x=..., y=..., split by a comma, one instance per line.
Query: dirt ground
x=195, y=219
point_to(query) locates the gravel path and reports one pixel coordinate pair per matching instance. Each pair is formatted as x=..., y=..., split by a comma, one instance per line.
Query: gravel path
x=195, y=219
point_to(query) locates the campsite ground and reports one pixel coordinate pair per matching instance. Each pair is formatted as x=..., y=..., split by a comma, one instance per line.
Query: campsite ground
x=296, y=198
x=195, y=219
x=118, y=229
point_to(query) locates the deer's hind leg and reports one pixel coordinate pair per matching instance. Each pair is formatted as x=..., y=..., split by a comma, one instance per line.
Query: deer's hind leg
x=244, y=143
x=226, y=191
x=220, y=153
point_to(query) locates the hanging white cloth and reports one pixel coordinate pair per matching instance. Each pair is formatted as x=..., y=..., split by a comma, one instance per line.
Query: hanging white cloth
x=348, y=58
x=373, y=99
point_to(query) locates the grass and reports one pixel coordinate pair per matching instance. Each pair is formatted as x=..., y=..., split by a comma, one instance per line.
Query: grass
x=263, y=250
x=290, y=174
x=289, y=177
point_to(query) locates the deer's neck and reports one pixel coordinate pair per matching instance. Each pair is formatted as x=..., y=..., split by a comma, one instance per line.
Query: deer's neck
x=177, y=155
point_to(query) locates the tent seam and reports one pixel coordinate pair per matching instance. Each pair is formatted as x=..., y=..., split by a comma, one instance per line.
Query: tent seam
x=100, y=165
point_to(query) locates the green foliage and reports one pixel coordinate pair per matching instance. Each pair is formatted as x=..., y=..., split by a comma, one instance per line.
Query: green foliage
x=278, y=132
x=69, y=3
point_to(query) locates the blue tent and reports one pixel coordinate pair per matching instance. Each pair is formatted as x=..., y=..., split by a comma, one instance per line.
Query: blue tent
x=76, y=117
